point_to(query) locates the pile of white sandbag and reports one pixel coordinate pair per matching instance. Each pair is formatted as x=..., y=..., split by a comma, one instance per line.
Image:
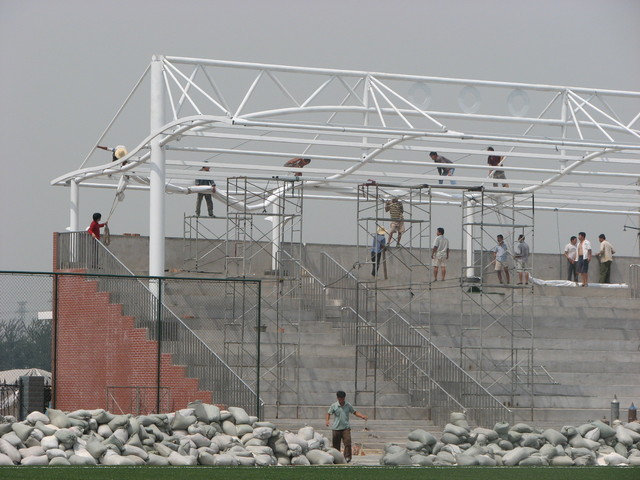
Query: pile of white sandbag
x=201, y=434
x=593, y=443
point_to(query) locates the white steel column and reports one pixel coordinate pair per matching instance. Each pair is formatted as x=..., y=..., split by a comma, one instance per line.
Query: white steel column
x=563, y=130
x=74, y=206
x=157, y=173
x=276, y=230
x=469, y=218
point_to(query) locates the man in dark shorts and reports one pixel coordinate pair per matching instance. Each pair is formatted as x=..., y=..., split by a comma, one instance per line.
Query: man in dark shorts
x=584, y=257
x=443, y=171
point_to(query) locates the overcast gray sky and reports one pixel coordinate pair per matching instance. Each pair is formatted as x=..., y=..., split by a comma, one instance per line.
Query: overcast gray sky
x=67, y=65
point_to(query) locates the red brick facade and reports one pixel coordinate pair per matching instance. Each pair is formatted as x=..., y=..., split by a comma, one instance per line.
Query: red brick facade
x=97, y=347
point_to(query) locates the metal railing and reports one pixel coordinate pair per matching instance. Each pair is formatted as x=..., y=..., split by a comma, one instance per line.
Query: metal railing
x=10, y=399
x=77, y=250
x=634, y=280
x=404, y=355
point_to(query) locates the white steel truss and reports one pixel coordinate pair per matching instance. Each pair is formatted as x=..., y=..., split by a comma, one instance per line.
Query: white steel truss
x=248, y=118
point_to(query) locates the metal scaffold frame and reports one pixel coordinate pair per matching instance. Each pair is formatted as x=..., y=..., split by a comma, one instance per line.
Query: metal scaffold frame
x=386, y=295
x=492, y=309
x=273, y=233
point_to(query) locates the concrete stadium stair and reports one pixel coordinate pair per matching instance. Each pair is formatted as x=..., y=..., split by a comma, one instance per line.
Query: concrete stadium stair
x=587, y=339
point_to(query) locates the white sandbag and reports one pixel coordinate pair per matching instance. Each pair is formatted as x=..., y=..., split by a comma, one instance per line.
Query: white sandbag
x=464, y=460
x=621, y=449
x=240, y=415
x=522, y=428
x=421, y=460
x=66, y=437
x=450, y=438
x=491, y=435
x=515, y=456
x=530, y=440
x=554, y=437
x=229, y=428
x=306, y=433
x=225, y=460
x=253, y=442
x=78, y=460
x=501, y=428
x=176, y=459
x=59, y=462
x=579, y=442
x=132, y=450
x=486, y=461
x=561, y=461
x=263, y=433
x=104, y=431
x=121, y=434
x=157, y=460
x=338, y=457
x=605, y=430
x=13, y=439
x=279, y=446
x=182, y=422
x=593, y=434
x=242, y=429
x=246, y=461
x=623, y=437
x=315, y=444
x=32, y=451
x=392, y=448
x=422, y=436
x=10, y=451
x=47, y=429
x=318, y=457
x=36, y=416
x=56, y=452
x=264, y=460
x=260, y=450
x=615, y=459
x=456, y=430
x=293, y=439
x=200, y=440
x=58, y=418
x=223, y=441
x=34, y=460
x=300, y=460
x=534, y=461
x=446, y=457
x=117, y=460
x=414, y=445
x=5, y=460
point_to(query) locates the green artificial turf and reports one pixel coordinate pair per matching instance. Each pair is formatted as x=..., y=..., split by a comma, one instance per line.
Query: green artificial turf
x=322, y=473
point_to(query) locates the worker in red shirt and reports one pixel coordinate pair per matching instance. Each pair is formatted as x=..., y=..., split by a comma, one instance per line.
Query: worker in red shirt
x=94, y=228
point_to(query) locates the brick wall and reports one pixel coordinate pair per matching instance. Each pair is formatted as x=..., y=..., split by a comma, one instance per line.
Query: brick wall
x=96, y=347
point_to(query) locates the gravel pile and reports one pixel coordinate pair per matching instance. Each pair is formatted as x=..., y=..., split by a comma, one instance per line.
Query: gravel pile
x=593, y=443
x=201, y=434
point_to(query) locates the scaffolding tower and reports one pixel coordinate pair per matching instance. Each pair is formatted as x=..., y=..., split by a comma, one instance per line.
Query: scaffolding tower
x=264, y=238
x=398, y=282
x=497, y=334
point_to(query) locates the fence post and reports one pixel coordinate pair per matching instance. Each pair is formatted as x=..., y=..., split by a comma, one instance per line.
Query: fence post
x=158, y=308
x=259, y=341
x=54, y=343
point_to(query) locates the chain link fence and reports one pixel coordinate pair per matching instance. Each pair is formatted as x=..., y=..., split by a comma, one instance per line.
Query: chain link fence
x=133, y=344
